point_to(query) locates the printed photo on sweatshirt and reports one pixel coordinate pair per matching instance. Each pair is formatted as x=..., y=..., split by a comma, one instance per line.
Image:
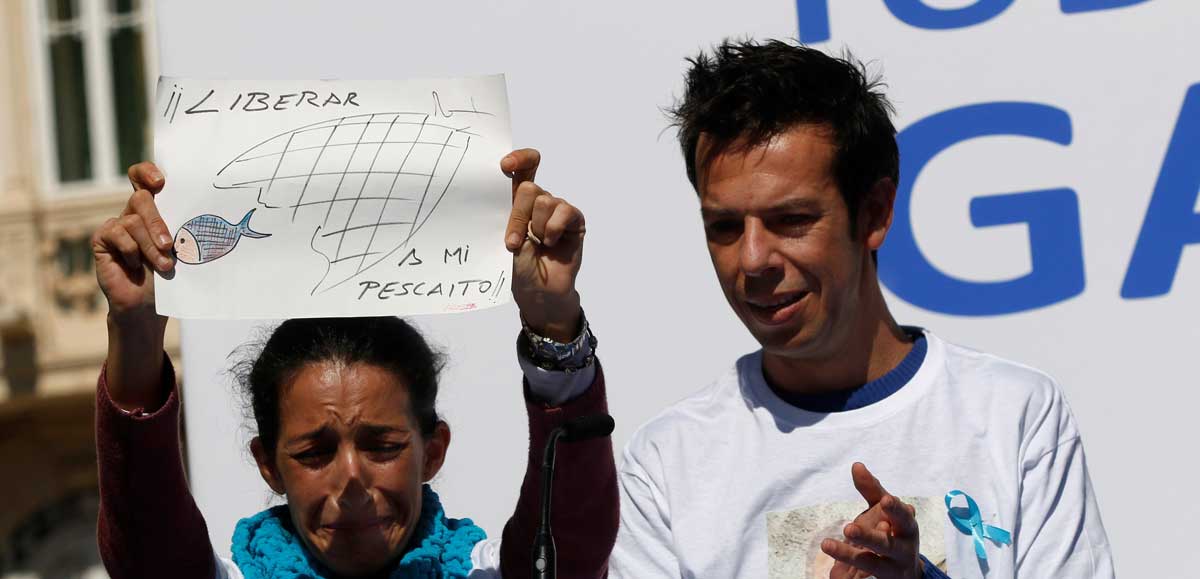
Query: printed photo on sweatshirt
x=794, y=537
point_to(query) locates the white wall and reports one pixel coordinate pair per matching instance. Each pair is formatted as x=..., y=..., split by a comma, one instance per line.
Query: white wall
x=587, y=82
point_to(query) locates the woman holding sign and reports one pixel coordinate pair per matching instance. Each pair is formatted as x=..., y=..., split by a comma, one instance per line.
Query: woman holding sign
x=348, y=431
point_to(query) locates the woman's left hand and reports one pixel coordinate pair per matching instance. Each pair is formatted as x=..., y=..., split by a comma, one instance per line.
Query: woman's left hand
x=545, y=236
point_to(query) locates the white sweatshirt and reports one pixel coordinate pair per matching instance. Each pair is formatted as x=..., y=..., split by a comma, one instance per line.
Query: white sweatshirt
x=733, y=482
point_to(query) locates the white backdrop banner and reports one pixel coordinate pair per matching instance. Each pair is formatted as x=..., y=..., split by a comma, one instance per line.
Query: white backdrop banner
x=1047, y=211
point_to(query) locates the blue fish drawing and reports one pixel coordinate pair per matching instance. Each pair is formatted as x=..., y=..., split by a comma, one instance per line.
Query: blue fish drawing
x=208, y=237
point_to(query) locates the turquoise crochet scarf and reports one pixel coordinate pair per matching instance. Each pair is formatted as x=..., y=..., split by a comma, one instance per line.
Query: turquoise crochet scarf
x=266, y=547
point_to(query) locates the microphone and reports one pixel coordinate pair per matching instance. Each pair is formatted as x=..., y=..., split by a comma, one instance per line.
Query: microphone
x=585, y=427
x=545, y=565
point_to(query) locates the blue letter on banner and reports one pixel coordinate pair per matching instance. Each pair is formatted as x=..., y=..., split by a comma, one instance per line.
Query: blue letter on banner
x=1171, y=221
x=814, y=20
x=917, y=13
x=1052, y=215
x=1073, y=6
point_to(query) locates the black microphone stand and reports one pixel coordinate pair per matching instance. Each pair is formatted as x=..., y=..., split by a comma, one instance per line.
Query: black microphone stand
x=545, y=564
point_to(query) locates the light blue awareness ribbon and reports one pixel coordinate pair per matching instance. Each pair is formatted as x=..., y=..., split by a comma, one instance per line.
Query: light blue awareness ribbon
x=972, y=524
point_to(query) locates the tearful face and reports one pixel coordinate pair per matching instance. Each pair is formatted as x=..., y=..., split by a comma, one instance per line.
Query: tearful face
x=351, y=460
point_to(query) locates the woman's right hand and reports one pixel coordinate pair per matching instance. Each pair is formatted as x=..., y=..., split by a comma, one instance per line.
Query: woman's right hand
x=126, y=247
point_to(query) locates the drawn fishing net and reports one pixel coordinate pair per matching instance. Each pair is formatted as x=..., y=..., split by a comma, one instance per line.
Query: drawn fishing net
x=363, y=185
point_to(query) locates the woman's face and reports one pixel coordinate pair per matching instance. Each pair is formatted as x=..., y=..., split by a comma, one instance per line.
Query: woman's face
x=351, y=460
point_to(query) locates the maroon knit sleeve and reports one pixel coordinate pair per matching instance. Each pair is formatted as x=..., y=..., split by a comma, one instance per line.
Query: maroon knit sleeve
x=584, y=509
x=149, y=525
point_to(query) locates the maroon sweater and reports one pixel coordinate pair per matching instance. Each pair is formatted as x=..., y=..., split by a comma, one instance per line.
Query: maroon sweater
x=149, y=525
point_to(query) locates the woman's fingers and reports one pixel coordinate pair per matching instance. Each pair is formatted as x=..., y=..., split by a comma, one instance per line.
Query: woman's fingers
x=521, y=215
x=112, y=238
x=534, y=210
x=543, y=206
x=137, y=229
x=141, y=203
x=552, y=217
x=521, y=165
x=144, y=223
x=145, y=175
x=565, y=218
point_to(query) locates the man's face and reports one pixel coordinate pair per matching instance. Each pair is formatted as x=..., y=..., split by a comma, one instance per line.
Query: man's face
x=779, y=234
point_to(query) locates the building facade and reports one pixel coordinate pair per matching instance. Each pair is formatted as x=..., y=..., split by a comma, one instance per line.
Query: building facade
x=76, y=85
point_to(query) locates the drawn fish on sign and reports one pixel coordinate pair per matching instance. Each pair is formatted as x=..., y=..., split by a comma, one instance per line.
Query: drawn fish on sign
x=208, y=237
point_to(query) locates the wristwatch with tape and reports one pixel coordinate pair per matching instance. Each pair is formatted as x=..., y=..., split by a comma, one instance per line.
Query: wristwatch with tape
x=558, y=356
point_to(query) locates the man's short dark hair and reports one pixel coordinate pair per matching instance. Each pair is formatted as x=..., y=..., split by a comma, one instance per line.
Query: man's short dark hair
x=746, y=93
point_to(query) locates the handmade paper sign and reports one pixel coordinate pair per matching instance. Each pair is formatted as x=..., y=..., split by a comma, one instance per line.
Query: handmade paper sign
x=333, y=198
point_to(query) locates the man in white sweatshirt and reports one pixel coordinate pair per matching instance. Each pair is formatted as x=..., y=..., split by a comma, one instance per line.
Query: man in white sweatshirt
x=764, y=473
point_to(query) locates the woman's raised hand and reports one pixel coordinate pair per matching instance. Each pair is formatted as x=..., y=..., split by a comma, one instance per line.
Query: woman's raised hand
x=545, y=236
x=126, y=247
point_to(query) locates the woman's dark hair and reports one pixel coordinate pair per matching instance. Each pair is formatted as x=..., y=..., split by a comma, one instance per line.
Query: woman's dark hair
x=387, y=342
x=746, y=93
